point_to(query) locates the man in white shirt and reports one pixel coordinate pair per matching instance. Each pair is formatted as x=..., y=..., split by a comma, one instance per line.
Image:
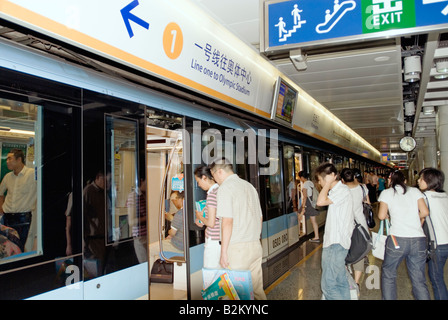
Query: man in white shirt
x=239, y=208
x=338, y=231
x=20, y=200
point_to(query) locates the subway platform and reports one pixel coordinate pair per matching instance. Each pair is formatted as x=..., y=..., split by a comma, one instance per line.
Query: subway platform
x=301, y=280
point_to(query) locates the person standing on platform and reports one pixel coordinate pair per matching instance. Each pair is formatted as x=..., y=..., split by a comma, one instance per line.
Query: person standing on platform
x=338, y=231
x=431, y=183
x=241, y=221
x=307, y=188
x=407, y=209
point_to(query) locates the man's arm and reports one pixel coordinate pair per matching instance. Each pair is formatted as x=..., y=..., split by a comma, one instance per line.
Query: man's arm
x=226, y=234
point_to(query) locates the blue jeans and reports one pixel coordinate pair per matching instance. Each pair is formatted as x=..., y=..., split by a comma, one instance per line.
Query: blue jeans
x=334, y=283
x=435, y=271
x=414, y=251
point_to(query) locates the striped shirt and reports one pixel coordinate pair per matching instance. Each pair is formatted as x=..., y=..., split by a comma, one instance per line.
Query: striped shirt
x=214, y=232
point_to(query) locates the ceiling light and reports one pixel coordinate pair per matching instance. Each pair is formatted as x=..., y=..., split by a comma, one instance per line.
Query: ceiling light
x=412, y=68
x=442, y=66
x=441, y=76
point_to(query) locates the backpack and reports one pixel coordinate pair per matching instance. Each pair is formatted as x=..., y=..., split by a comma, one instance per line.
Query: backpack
x=361, y=244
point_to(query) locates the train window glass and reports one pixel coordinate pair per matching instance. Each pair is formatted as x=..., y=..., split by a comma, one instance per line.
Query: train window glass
x=271, y=187
x=290, y=178
x=121, y=176
x=20, y=187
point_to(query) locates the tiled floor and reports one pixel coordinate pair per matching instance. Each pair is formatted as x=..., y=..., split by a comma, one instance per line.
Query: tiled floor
x=302, y=280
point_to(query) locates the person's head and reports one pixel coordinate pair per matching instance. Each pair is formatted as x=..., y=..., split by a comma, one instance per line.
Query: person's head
x=15, y=159
x=397, y=178
x=347, y=175
x=303, y=176
x=323, y=170
x=221, y=169
x=204, y=177
x=431, y=179
x=177, y=197
x=357, y=174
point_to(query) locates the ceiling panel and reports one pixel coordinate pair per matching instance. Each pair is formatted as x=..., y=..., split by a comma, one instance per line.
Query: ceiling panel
x=361, y=87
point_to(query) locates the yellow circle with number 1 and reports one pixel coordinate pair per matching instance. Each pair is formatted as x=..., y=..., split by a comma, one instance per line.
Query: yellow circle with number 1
x=173, y=40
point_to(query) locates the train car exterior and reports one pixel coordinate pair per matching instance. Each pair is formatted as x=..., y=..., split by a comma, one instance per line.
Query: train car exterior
x=106, y=155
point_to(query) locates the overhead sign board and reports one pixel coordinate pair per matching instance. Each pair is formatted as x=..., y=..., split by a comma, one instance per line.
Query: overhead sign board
x=169, y=39
x=304, y=23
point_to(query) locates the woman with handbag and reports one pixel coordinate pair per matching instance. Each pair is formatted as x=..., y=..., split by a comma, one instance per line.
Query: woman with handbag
x=407, y=209
x=431, y=183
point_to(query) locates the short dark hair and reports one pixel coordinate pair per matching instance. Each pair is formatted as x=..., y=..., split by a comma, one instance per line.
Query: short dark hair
x=348, y=175
x=18, y=153
x=434, y=179
x=325, y=169
x=203, y=171
x=304, y=174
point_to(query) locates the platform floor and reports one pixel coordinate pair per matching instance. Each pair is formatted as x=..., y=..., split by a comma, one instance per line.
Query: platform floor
x=302, y=280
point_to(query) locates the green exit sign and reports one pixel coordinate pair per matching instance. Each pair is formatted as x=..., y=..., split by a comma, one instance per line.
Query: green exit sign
x=387, y=14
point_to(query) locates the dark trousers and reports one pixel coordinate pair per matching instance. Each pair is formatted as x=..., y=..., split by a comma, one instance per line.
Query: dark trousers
x=21, y=222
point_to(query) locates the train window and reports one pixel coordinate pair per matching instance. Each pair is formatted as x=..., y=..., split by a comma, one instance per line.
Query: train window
x=290, y=179
x=271, y=187
x=122, y=176
x=20, y=187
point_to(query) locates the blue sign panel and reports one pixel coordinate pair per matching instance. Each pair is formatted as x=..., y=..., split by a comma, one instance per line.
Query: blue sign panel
x=429, y=12
x=302, y=21
x=310, y=21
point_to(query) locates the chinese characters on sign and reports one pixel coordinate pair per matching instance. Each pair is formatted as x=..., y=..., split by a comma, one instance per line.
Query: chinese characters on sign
x=220, y=67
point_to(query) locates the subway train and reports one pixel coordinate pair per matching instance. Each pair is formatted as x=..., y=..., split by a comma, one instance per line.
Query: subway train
x=102, y=137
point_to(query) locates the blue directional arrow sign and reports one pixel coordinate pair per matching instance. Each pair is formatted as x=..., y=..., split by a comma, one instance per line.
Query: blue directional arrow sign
x=128, y=16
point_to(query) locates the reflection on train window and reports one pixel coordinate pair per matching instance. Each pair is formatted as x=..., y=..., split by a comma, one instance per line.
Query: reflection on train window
x=121, y=171
x=20, y=187
x=272, y=186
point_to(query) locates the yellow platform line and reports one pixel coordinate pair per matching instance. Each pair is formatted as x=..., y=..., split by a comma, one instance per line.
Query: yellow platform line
x=286, y=275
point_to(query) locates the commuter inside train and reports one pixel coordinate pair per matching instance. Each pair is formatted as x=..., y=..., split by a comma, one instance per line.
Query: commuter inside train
x=207, y=217
x=310, y=212
x=21, y=198
x=406, y=208
x=337, y=235
x=175, y=240
x=431, y=183
x=356, y=189
x=241, y=217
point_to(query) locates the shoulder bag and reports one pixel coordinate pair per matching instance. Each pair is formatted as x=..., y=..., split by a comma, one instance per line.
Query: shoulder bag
x=367, y=210
x=379, y=240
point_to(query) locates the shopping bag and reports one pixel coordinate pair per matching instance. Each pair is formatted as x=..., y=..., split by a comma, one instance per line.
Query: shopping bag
x=379, y=240
x=221, y=289
x=241, y=280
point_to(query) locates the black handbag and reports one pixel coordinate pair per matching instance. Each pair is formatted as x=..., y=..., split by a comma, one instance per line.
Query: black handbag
x=368, y=211
x=162, y=271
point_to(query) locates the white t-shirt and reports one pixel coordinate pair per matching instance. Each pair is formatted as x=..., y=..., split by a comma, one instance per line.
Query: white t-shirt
x=403, y=211
x=309, y=186
x=340, y=217
x=438, y=211
x=357, y=197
